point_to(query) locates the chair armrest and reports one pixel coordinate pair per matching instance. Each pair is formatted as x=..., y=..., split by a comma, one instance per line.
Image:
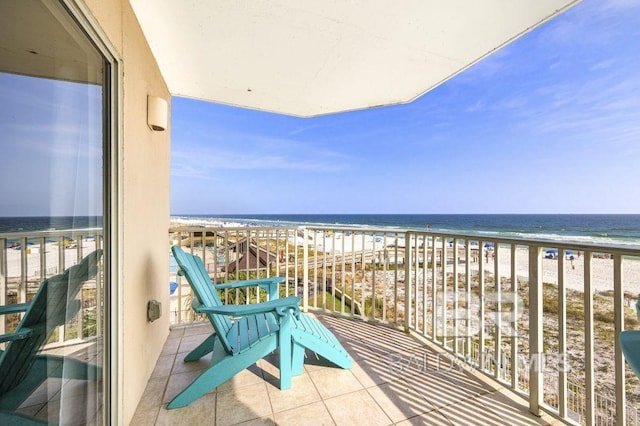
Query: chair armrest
x=278, y=306
x=18, y=335
x=14, y=308
x=268, y=284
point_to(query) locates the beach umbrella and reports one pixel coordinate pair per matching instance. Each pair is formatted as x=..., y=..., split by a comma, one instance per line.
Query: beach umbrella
x=552, y=251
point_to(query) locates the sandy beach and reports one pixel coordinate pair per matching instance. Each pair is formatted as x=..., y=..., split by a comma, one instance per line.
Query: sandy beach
x=345, y=242
x=51, y=258
x=601, y=271
x=602, y=268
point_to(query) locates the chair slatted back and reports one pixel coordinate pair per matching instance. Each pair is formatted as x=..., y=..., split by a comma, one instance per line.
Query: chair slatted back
x=198, y=278
x=51, y=306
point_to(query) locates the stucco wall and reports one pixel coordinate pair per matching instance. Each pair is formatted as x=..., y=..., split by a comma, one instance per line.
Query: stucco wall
x=144, y=209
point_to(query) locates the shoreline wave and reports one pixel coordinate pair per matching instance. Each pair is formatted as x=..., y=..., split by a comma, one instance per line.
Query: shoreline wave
x=609, y=230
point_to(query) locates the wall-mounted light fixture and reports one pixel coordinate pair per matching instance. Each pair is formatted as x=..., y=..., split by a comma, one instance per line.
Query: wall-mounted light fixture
x=156, y=113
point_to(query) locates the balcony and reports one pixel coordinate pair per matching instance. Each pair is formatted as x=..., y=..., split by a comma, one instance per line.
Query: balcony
x=441, y=327
x=396, y=379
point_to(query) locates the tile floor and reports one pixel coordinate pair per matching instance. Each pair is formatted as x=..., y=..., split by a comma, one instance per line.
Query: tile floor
x=395, y=379
x=70, y=402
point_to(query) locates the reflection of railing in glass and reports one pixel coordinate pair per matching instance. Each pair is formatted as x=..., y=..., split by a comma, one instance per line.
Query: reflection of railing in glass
x=26, y=259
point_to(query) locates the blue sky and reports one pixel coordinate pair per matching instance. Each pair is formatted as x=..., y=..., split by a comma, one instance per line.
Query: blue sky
x=50, y=147
x=550, y=124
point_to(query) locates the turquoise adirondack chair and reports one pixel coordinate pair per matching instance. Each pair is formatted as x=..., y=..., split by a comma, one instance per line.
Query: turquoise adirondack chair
x=22, y=368
x=258, y=330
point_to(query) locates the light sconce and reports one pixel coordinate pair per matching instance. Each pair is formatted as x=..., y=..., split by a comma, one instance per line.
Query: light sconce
x=156, y=113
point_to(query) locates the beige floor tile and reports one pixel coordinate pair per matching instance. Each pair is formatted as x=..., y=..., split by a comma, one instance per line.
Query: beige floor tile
x=399, y=401
x=30, y=410
x=200, y=412
x=270, y=367
x=206, y=329
x=175, y=333
x=302, y=392
x=180, y=366
x=145, y=418
x=432, y=418
x=75, y=387
x=163, y=366
x=262, y=421
x=177, y=383
x=331, y=382
x=438, y=390
x=152, y=396
x=171, y=346
x=394, y=343
x=45, y=392
x=471, y=412
x=375, y=371
x=511, y=408
x=189, y=343
x=356, y=408
x=72, y=411
x=394, y=379
x=359, y=349
x=444, y=387
x=315, y=414
x=240, y=405
x=247, y=377
x=314, y=362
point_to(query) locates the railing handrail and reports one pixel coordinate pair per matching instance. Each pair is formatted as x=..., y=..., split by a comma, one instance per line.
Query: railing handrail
x=625, y=250
x=54, y=233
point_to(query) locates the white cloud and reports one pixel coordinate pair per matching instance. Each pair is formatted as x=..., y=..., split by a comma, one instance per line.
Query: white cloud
x=259, y=154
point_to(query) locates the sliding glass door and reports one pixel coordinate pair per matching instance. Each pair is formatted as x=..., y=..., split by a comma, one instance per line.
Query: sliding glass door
x=54, y=149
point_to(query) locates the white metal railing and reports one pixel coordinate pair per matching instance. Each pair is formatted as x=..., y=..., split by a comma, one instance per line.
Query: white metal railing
x=540, y=317
x=27, y=258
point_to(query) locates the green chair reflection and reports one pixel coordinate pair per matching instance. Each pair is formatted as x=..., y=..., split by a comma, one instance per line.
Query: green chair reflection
x=22, y=368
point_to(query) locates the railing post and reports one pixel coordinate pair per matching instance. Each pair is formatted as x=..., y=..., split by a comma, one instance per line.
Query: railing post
x=305, y=271
x=455, y=296
x=618, y=309
x=481, y=294
x=434, y=294
x=467, y=282
x=407, y=281
x=22, y=289
x=497, y=355
x=562, y=332
x=588, y=340
x=515, y=314
x=535, y=329
x=3, y=280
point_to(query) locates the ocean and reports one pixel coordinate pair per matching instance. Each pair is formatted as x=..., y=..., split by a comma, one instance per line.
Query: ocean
x=610, y=229
x=579, y=228
x=48, y=223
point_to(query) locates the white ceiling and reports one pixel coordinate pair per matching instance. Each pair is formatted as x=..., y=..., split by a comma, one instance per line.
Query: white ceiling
x=313, y=57
x=40, y=39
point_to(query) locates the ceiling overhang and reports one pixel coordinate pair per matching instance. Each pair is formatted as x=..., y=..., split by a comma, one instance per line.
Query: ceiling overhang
x=308, y=58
